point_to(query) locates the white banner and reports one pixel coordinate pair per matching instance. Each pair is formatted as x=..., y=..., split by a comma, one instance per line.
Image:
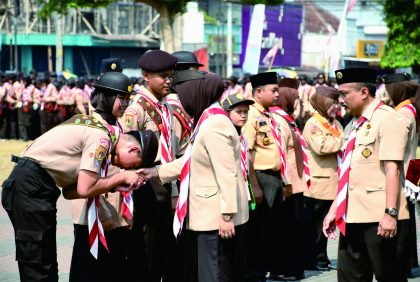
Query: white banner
x=253, y=46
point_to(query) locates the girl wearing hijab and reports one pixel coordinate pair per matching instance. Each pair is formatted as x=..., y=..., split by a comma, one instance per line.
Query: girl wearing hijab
x=212, y=191
x=405, y=97
x=289, y=266
x=109, y=99
x=324, y=137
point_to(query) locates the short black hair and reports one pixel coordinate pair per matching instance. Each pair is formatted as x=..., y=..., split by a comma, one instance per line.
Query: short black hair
x=371, y=87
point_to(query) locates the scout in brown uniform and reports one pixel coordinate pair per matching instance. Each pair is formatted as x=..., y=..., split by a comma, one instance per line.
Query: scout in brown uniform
x=305, y=109
x=114, y=90
x=265, y=157
x=289, y=262
x=153, y=201
x=374, y=175
x=49, y=113
x=402, y=94
x=324, y=136
x=72, y=154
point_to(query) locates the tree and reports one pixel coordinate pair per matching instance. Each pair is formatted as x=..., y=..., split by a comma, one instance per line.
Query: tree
x=403, y=38
x=168, y=10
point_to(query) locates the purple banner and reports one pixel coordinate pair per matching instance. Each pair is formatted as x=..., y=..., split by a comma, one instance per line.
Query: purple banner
x=282, y=27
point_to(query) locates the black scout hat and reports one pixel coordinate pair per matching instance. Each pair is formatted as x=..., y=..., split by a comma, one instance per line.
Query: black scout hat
x=157, y=60
x=149, y=145
x=364, y=75
x=264, y=78
x=114, y=83
x=234, y=100
x=186, y=58
x=111, y=64
x=396, y=77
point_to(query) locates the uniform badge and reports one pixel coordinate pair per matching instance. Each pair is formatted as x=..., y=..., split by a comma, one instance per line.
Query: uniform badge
x=339, y=75
x=366, y=153
x=102, y=151
x=129, y=120
x=266, y=140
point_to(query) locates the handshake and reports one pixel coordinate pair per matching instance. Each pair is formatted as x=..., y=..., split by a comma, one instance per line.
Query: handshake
x=133, y=179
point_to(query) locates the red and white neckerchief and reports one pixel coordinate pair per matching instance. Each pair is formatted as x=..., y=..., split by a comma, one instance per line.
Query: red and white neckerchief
x=182, y=204
x=96, y=231
x=280, y=145
x=408, y=105
x=291, y=121
x=167, y=153
x=245, y=162
x=127, y=207
x=344, y=173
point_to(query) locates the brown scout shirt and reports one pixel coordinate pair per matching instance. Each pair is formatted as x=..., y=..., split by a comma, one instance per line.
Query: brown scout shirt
x=323, y=147
x=66, y=149
x=136, y=118
x=381, y=138
x=110, y=203
x=298, y=183
x=264, y=157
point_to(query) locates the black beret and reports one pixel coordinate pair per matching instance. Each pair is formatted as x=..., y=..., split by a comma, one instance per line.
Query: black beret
x=328, y=91
x=157, y=60
x=114, y=83
x=149, y=145
x=396, y=77
x=289, y=82
x=364, y=75
x=111, y=64
x=264, y=78
x=187, y=58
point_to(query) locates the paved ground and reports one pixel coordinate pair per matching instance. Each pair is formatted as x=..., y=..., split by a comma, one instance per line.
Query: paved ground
x=9, y=271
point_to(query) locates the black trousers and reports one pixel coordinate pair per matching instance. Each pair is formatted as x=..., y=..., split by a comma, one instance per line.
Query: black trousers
x=287, y=249
x=262, y=225
x=110, y=266
x=48, y=120
x=153, y=211
x=220, y=259
x=29, y=196
x=407, y=241
x=315, y=243
x=24, y=122
x=362, y=253
x=3, y=121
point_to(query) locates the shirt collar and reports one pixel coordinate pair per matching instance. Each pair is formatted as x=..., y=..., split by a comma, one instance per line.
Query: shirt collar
x=368, y=113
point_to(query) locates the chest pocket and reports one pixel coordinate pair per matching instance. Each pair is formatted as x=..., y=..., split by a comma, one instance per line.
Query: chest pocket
x=264, y=137
x=366, y=148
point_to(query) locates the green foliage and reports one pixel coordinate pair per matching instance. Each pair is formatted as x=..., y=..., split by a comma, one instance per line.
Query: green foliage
x=61, y=6
x=403, y=39
x=173, y=6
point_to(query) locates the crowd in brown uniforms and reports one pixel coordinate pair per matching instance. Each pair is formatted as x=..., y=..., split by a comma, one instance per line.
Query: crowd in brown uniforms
x=282, y=234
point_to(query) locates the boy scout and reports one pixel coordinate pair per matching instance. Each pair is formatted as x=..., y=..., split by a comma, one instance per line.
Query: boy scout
x=149, y=111
x=369, y=201
x=72, y=154
x=266, y=159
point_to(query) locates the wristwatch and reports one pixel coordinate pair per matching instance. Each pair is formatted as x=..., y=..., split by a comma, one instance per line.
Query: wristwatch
x=392, y=212
x=227, y=216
